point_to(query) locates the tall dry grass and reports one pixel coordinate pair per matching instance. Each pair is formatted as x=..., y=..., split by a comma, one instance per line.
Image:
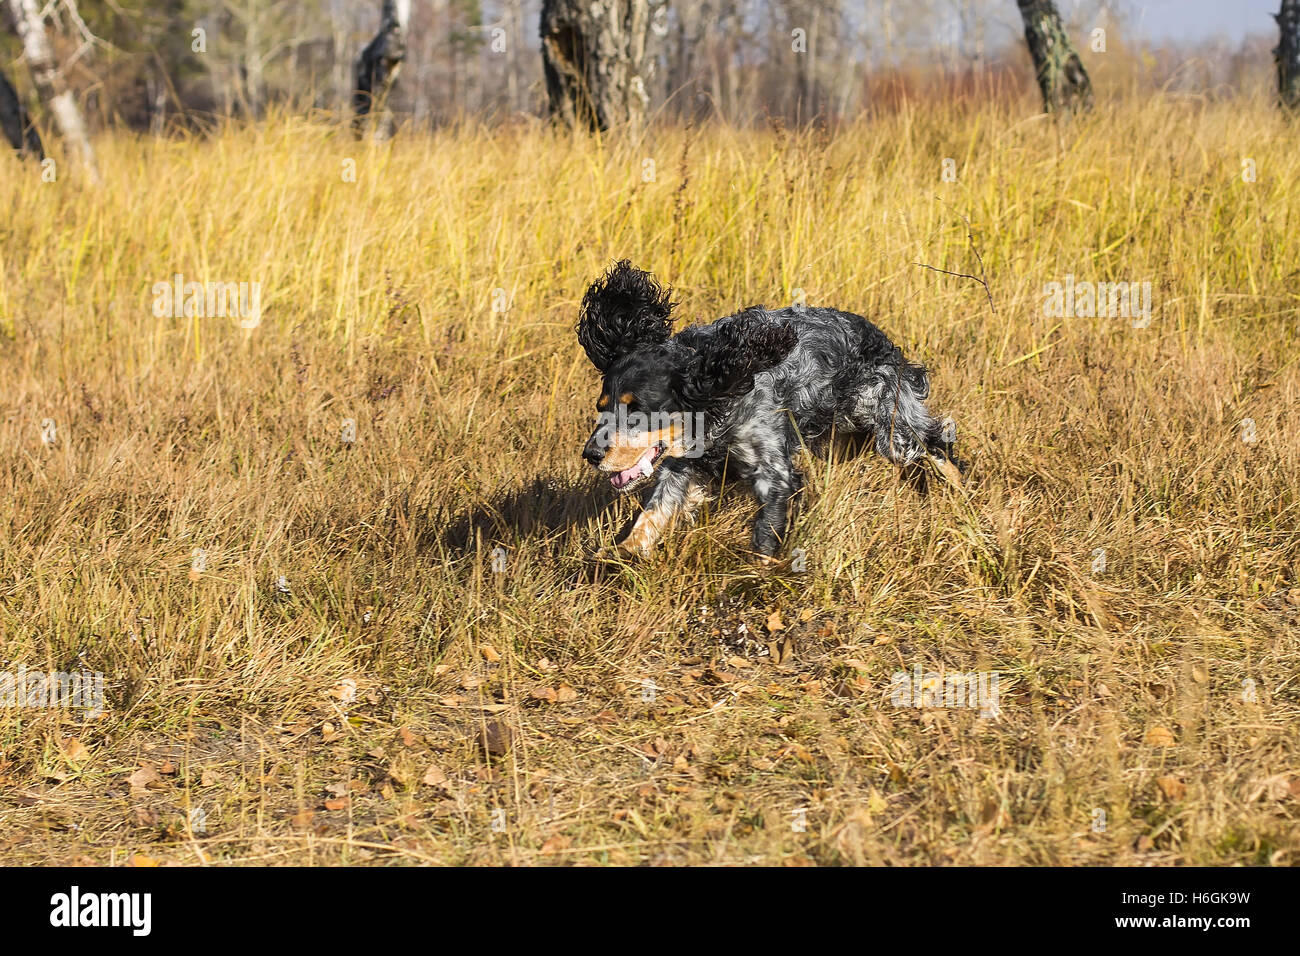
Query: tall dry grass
x=432, y=301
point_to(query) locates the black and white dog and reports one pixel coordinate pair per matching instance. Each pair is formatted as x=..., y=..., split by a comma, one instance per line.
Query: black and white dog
x=737, y=399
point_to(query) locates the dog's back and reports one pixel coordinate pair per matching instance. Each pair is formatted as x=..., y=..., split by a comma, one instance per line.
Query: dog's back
x=845, y=374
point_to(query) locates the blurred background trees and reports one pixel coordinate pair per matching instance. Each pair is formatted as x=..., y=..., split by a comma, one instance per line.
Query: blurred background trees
x=156, y=64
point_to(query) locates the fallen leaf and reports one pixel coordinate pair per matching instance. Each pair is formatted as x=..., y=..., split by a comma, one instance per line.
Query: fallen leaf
x=434, y=777
x=145, y=816
x=146, y=778
x=342, y=803
x=139, y=859
x=209, y=778
x=1160, y=737
x=555, y=844
x=492, y=655
x=495, y=738
x=302, y=820
x=774, y=622
x=1276, y=787
x=1172, y=787
x=74, y=749
x=564, y=693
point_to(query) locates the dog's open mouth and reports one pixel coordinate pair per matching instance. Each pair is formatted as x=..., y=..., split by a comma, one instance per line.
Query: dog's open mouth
x=636, y=476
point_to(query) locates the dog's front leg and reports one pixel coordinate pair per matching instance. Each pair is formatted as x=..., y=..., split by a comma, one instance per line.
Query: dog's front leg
x=677, y=493
x=774, y=488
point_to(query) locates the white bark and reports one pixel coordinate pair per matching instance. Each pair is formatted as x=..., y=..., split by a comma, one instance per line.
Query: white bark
x=26, y=16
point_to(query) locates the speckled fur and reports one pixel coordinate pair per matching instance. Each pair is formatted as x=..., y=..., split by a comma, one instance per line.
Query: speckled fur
x=766, y=381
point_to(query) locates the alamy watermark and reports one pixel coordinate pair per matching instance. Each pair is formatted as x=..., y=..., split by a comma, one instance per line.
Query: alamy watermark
x=1104, y=300
x=977, y=689
x=687, y=429
x=179, y=299
x=76, y=690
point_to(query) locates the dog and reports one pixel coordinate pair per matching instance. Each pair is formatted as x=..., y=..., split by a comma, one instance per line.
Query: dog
x=736, y=399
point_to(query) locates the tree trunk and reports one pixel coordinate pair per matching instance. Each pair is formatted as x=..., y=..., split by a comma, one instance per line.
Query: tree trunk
x=1061, y=77
x=594, y=55
x=378, y=66
x=1287, y=55
x=17, y=125
x=51, y=86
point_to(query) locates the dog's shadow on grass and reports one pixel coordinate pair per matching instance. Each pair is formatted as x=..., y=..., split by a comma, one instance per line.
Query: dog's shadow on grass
x=544, y=508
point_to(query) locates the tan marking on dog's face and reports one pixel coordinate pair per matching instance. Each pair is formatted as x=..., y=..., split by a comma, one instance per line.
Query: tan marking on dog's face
x=627, y=398
x=626, y=450
x=604, y=402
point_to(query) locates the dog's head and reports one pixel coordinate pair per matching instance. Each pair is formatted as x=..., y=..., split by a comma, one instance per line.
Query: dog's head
x=659, y=390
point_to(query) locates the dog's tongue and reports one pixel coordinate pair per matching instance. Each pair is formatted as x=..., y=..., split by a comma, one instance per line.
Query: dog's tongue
x=642, y=467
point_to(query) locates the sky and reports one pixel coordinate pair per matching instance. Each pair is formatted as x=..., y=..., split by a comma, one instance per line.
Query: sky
x=1197, y=20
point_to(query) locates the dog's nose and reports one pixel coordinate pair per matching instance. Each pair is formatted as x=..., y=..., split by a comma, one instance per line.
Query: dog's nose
x=593, y=453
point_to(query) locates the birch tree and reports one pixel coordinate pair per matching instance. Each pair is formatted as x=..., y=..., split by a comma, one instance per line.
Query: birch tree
x=595, y=56
x=25, y=16
x=1061, y=77
x=1286, y=55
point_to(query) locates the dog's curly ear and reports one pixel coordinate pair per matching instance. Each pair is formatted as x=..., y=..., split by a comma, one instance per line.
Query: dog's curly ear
x=730, y=354
x=623, y=310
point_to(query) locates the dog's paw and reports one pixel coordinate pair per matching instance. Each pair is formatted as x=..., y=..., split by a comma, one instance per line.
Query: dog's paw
x=613, y=554
x=767, y=562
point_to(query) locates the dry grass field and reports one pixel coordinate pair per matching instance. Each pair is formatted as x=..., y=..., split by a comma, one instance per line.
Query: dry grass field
x=313, y=651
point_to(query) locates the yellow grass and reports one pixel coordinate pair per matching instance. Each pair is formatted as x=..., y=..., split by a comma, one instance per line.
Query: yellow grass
x=432, y=302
